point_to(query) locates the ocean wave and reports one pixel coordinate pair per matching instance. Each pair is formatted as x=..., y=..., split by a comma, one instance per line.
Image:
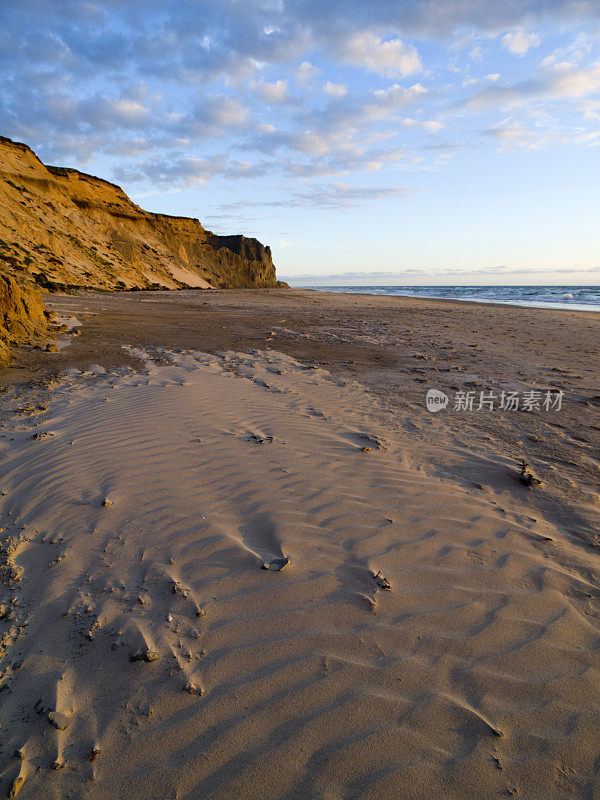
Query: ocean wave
x=574, y=298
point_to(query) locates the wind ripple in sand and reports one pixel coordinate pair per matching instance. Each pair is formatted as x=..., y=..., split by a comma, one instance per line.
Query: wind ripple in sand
x=474, y=677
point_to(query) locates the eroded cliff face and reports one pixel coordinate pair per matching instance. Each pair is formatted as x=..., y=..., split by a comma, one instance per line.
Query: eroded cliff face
x=22, y=315
x=62, y=228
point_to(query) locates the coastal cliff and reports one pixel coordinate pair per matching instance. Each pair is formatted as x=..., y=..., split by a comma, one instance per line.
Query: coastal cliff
x=22, y=315
x=61, y=228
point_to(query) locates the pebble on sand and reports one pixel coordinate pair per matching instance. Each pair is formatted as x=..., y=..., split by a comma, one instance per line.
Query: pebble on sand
x=177, y=588
x=277, y=564
x=382, y=582
x=59, y=720
x=145, y=655
x=193, y=688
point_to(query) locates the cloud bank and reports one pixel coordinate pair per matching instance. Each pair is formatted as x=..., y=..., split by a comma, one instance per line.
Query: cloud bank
x=180, y=94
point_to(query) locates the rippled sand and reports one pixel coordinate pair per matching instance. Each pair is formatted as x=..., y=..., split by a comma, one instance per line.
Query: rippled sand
x=428, y=638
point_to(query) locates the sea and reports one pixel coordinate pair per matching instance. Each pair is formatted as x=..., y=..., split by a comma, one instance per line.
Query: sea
x=573, y=298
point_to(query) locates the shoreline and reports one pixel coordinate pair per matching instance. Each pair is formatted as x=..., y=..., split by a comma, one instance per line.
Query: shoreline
x=579, y=308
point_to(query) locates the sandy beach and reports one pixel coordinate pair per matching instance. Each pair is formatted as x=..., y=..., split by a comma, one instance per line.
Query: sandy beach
x=241, y=558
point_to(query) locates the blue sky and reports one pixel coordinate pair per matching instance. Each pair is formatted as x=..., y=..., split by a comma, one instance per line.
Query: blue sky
x=430, y=141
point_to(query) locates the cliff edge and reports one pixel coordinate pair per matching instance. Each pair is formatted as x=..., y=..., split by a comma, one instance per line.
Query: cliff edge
x=61, y=228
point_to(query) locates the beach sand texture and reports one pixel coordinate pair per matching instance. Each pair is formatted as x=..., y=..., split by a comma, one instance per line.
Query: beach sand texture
x=428, y=638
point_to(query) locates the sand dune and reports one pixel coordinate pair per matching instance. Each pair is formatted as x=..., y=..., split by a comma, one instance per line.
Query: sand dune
x=141, y=506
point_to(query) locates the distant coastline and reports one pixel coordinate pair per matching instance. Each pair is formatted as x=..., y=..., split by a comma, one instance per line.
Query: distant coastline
x=570, y=298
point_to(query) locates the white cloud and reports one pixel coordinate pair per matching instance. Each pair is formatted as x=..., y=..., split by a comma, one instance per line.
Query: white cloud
x=574, y=52
x=568, y=82
x=512, y=135
x=227, y=112
x=591, y=109
x=391, y=58
x=315, y=142
x=129, y=109
x=351, y=115
x=335, y=89
x=274, y=92
x=519, y=42
x=396, y=96
x=110, y=85
x=330, y=195
x=430, y=125
x=189, y=171
x=306, y=72
x=592, y=138
x=561, y=82
x=515, y=134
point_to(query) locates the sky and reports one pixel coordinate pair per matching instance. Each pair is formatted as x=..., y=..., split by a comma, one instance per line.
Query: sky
x=392, y=141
